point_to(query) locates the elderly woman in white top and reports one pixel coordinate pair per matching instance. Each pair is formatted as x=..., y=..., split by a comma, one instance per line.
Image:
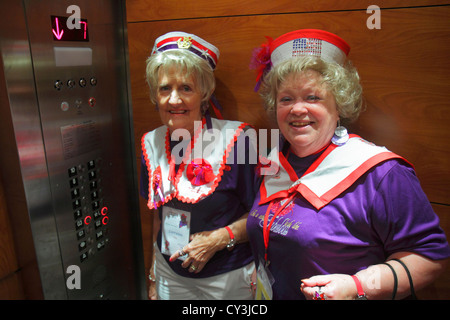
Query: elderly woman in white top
x=202, y=198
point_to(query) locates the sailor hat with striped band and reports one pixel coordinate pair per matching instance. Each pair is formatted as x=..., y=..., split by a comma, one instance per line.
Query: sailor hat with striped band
x=186, y=41
x=304, y=42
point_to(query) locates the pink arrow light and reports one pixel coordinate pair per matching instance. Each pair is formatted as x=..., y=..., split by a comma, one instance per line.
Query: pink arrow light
x=57, y=34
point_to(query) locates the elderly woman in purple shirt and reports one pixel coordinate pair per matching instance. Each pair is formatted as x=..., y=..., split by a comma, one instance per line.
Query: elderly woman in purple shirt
x=339, y=218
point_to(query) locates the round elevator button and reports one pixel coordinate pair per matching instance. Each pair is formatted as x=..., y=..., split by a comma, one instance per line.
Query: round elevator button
x=64, y=106
x=82, y=82
x=71, y=83
x=91, y=101
x=58, y=84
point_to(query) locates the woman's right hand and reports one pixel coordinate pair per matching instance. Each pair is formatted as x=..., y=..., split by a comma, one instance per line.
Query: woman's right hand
x=152, y=291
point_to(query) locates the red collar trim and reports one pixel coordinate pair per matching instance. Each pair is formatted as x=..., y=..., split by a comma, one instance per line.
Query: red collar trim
x=310, y=196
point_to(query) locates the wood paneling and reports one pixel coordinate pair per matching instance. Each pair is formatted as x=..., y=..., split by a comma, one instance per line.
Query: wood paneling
x=8, y=260
x=10, y=284
x=11, y=287
x=404, y=69
x=148, y=10
x=406, y=77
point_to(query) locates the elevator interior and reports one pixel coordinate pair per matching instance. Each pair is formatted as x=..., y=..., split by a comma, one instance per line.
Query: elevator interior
x=67, y=150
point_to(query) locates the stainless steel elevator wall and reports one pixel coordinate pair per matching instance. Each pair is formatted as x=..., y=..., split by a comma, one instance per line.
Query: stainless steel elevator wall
x=68, y=150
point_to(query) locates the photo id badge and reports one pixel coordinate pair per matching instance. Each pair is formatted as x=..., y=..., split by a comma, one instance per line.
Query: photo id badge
x=175, y=230
x=264, y=282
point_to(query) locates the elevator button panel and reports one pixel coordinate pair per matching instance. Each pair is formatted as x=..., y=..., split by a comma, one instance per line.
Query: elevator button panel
x=89, y=209
x=73, y=83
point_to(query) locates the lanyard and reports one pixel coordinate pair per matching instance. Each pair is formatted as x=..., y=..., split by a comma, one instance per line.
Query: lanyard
x=266, y=228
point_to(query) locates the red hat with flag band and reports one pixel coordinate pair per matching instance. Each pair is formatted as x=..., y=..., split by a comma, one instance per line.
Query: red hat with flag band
x=304, y=42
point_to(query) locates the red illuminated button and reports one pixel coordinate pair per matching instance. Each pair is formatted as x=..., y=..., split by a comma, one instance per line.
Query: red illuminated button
x=104, y=211
x=64, y=106
x=91, y=101
x=87, y=220
x=105, y=220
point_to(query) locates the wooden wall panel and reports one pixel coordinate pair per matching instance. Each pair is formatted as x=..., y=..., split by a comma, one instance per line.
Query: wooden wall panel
x=403, y=67
x=8, y=260
x=10, y=284
x=406, y=77
x=148, y=10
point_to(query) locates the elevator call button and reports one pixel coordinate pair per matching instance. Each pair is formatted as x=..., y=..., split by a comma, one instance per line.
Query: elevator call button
x=91, y=102
x=64, y=106
x=58, y=84
x=71, y=83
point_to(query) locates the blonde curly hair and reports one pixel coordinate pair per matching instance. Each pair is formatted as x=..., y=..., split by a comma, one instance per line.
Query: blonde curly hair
x=342, y=81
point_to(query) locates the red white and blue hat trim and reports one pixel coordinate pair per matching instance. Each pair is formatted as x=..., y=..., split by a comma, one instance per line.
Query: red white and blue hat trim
x=309, y=42
x=181, y=40
x=304, y=42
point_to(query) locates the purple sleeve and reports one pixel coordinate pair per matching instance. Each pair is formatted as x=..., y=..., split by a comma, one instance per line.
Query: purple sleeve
x=248, y=182
x=403, y=217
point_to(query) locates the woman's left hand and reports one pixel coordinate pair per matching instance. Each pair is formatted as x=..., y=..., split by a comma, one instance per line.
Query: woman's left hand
x=201, y=248
x=333, y=286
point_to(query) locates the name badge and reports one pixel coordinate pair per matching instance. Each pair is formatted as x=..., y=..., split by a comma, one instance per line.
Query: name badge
x=264, y=282
x=175, y=230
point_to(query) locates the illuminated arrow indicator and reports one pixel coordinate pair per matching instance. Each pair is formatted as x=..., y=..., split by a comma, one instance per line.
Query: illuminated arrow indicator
x=62, y=31
x=57, y=34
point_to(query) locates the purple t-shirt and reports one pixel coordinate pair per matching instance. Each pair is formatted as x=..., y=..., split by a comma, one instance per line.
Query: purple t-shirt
x=383, y=212
x=232, y=198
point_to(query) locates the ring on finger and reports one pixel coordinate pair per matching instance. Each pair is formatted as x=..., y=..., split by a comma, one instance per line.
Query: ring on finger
x=192, y=267
x=319, y=295
x=182, y=253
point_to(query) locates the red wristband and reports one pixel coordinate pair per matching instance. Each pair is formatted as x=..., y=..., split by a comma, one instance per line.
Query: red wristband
x=230, y=232
x=232, y=243
x=361, y=294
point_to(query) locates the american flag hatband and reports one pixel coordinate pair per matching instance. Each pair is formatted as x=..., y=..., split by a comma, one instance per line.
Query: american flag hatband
x=309, y=42
x=304, y=42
